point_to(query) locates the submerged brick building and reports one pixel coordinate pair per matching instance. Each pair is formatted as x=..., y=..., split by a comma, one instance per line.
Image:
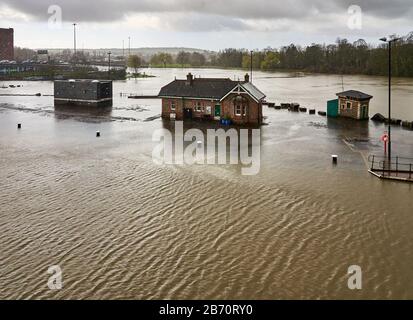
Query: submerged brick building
x=6, y=44
x=212, y=99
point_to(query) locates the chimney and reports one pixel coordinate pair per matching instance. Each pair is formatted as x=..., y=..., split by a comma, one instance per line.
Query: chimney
x=247, y=77
x=189, y=79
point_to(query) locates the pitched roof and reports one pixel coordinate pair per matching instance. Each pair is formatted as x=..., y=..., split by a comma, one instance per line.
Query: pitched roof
x=253, y=90
x=209, y=88
x=354, y=94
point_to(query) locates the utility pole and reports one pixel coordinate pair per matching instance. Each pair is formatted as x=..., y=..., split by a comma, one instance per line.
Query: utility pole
x=129, y=45
x=109, y=53
x=251, y=66
x=74, y=43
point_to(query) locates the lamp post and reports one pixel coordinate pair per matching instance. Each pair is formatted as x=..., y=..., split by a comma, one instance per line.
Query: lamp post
x=389, y=42
x=251, y=65
x=129, y=44
x=109, y=53
x=74, y=43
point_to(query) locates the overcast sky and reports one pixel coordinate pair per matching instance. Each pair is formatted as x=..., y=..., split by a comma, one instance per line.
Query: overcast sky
x=205, y=24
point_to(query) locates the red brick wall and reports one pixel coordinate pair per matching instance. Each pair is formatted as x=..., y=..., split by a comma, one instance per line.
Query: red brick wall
x=354, y=111
x=6, y=44
x=181, y=104
x=254, y=113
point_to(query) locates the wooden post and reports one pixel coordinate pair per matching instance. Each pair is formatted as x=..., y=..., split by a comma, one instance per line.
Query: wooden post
x=372, y=163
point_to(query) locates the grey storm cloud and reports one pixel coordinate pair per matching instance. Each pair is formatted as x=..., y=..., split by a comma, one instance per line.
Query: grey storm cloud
x=208, y=14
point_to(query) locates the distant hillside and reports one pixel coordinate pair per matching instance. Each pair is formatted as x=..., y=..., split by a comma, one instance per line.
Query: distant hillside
x=144, y=52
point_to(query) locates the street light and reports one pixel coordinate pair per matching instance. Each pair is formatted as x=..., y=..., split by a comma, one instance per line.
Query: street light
x=251, y=65
x=74, y=42
x=109, y=53
x=389, y=41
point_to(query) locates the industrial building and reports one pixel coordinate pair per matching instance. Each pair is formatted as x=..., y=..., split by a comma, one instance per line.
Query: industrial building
x=6, y=44
x=83, y=92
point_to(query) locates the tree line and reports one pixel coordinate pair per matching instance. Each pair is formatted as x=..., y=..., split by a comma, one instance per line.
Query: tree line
x=342, y=57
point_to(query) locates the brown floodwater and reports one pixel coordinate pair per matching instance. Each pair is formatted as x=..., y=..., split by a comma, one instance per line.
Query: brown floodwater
x=122, y=227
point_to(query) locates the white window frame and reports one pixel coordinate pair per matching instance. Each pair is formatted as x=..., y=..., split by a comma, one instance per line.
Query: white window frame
x=173, y=107
x=349, y=105
x=238, y=110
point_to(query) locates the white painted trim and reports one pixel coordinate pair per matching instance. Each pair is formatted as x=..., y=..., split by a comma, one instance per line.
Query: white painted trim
x=239, y=85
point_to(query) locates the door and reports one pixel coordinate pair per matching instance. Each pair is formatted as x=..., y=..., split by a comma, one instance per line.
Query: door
x=217, y=110
x=187, y=113
x=364, y=112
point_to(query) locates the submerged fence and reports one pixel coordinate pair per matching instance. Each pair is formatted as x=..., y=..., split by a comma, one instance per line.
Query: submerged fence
x=400, y=167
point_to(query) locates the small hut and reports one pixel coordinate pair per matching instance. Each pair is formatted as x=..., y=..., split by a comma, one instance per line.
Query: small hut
x=353, y=104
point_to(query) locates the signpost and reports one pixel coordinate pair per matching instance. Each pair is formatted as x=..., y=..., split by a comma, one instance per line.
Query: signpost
x=385, y=139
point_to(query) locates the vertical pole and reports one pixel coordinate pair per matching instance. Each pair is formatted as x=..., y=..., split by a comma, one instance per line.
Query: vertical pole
x=251, y=66
x=397, y=164
x=372, y=163
x=109, y=53
x=410, y=172
x=129, y=45
x=74, y=42
x=389, y=101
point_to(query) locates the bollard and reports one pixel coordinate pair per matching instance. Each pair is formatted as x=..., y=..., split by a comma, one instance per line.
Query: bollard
x=19, y=126
x=335, y=158
x=98, y=134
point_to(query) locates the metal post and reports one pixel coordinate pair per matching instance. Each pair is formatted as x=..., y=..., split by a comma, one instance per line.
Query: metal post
x=397, y=164
x=251, y=66
x=74, y=42
x=109, y=53
x=129, y=45
x=372, y=163
x=390, y=74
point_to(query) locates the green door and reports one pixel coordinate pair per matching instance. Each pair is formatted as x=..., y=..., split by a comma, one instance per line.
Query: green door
x=217, y=110
x=332, y=108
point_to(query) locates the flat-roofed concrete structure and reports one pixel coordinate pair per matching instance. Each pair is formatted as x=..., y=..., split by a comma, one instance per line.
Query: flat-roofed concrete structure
x=83, y=92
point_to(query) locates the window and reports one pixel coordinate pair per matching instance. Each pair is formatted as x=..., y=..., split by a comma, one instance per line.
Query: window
x=343, y=106
x=348, y=105
x=199, y=107
x=238, y=109
x=173, y=106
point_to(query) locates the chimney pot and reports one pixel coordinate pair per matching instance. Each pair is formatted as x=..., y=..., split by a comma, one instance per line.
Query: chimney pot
x=189, y=79
x=247, y=77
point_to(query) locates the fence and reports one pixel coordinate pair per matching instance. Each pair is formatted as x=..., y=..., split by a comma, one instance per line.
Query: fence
x=394, y=167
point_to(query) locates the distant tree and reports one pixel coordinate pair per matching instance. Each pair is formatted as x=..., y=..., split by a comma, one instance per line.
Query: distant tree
x=183, y=58
x=197, y=59
x=161, y=58
x=134, y=62
x=271, y=61
x=21, y=54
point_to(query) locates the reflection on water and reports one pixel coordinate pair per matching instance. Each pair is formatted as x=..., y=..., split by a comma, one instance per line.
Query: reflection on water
x=90, y=113
x=120, y=226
